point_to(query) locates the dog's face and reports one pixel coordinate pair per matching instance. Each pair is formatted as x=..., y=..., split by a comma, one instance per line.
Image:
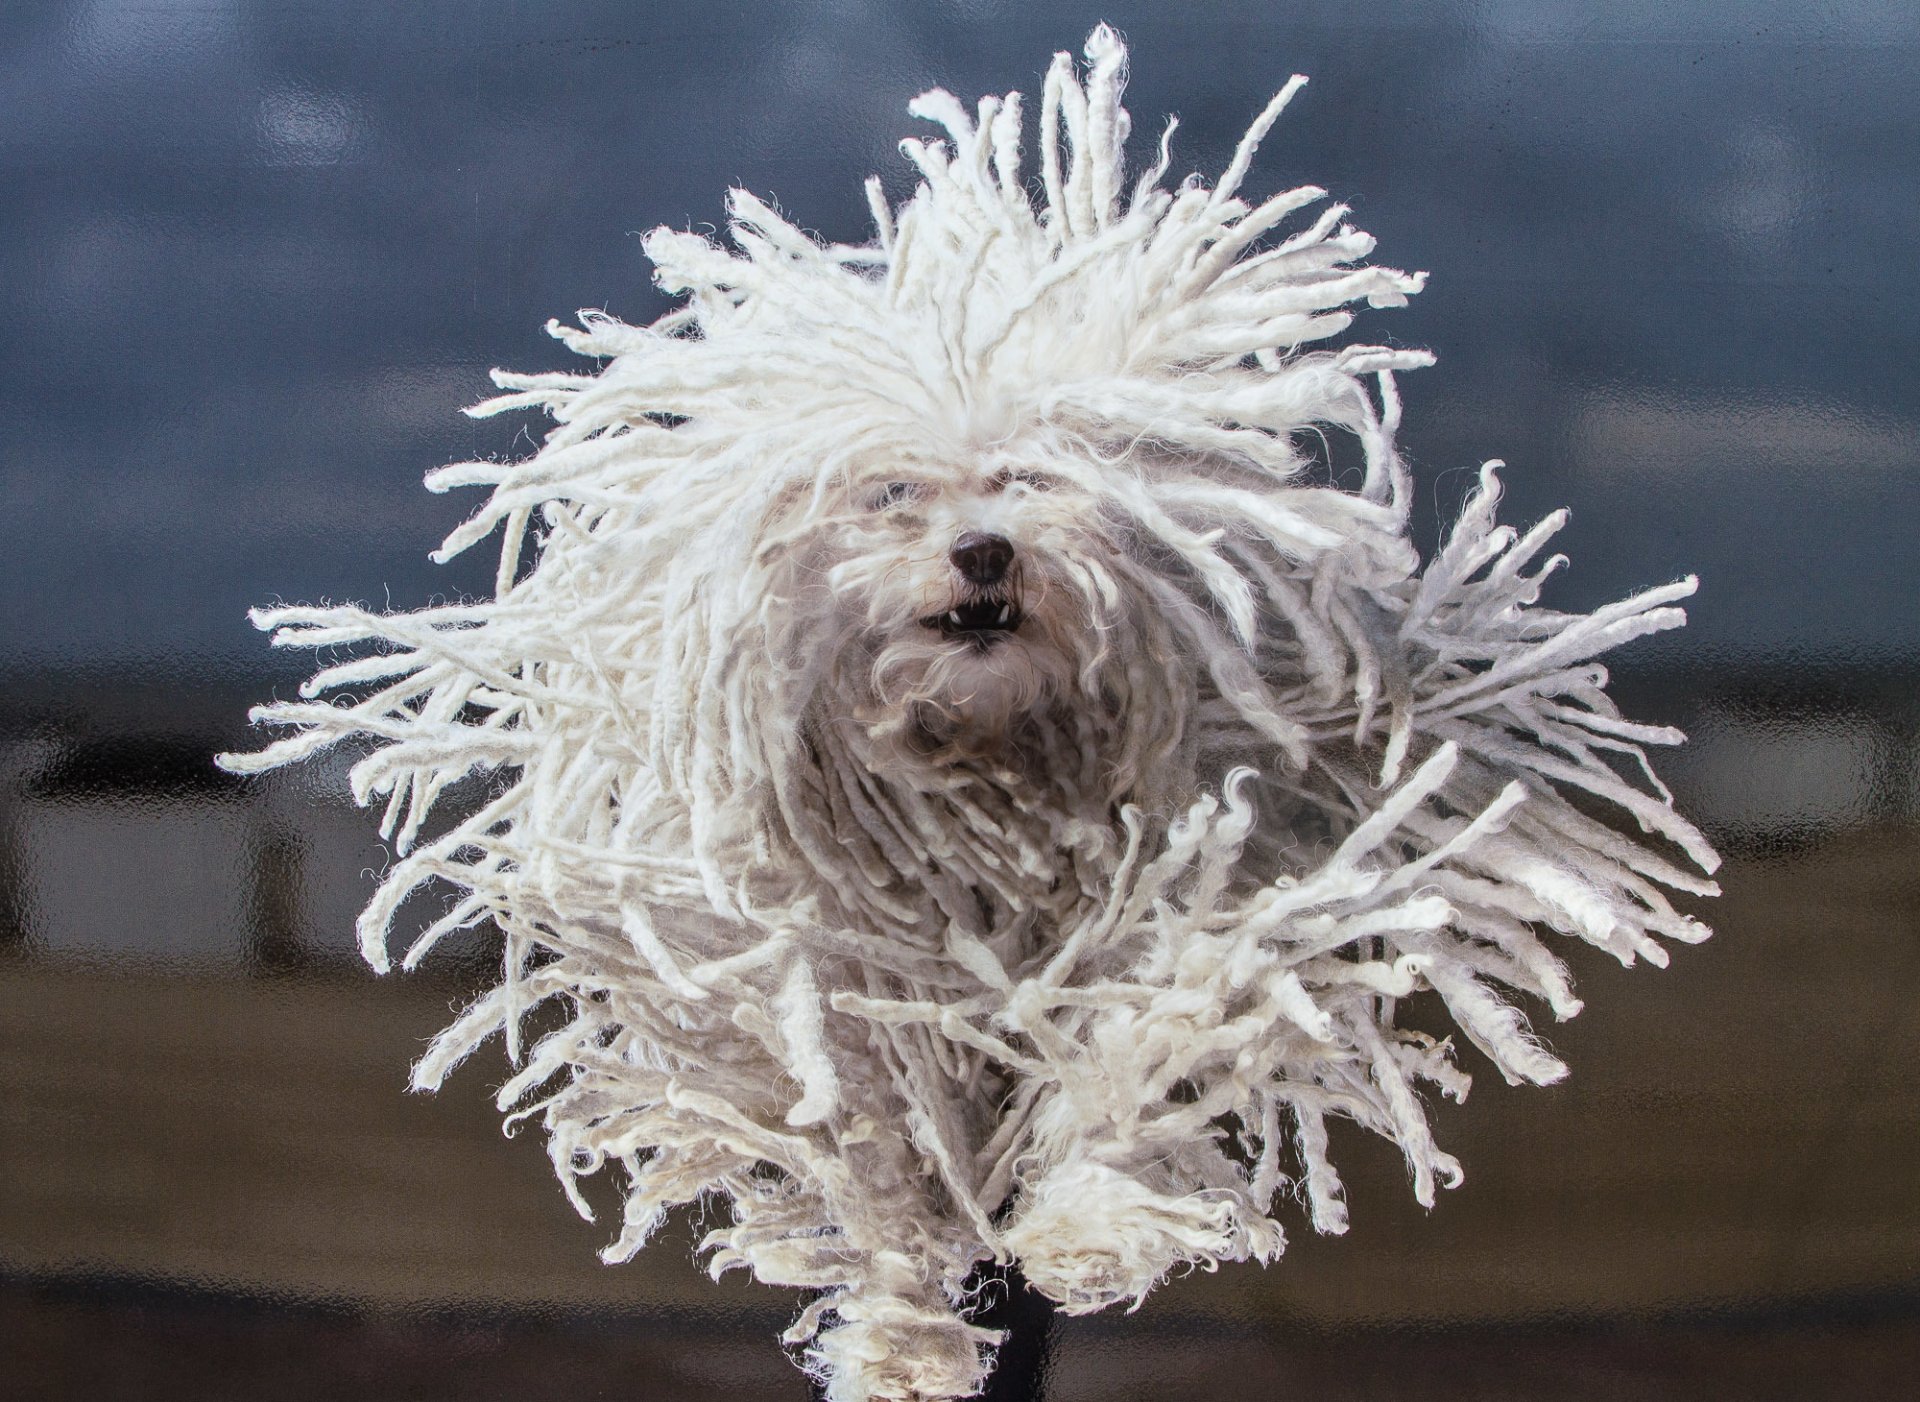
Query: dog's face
x=967, y=603
x=962, y=580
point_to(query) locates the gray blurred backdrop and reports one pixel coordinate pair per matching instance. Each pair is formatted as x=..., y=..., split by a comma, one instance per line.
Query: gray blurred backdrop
x=254, y=257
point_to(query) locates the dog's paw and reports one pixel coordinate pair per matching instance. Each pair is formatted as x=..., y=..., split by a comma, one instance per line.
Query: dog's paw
x=1088, y=1235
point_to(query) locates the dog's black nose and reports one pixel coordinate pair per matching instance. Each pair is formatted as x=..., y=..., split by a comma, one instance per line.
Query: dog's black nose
x=982, y=558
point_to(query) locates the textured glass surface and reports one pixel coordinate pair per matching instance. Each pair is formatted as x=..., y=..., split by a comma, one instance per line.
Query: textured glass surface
x=255, y=256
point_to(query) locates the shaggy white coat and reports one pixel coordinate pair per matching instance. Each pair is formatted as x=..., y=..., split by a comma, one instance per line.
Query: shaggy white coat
x=914, y=951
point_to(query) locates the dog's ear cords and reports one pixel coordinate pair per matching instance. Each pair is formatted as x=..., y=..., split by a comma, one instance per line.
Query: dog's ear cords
x=971, y=778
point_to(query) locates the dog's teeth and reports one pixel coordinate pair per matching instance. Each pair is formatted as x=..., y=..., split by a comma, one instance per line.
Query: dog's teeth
x=953, y=617
x=1005, y=609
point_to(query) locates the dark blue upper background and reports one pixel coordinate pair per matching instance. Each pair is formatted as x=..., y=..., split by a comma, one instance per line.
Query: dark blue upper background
x=255, y=256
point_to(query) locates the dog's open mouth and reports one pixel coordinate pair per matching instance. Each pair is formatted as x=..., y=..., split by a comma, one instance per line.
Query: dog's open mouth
x=983, y=621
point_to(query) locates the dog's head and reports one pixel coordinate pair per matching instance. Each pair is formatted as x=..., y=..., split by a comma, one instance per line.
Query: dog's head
x=1042, y=598
x=1009, y=489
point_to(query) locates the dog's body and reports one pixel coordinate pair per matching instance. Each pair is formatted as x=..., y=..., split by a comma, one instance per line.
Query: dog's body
x=979, y=785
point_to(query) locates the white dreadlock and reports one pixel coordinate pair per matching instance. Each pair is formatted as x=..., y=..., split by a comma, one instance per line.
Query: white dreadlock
x=919, y=953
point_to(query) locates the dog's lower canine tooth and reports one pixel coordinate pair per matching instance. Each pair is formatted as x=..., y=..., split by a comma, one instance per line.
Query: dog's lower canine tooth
x=1005, y=609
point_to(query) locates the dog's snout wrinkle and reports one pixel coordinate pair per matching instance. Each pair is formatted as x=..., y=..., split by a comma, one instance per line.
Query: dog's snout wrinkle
x=982, y=558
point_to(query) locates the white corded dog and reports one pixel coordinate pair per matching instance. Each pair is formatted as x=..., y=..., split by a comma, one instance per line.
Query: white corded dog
x=975, y=781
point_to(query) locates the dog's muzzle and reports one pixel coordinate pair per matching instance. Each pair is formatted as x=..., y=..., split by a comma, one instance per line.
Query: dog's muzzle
x=988, y=608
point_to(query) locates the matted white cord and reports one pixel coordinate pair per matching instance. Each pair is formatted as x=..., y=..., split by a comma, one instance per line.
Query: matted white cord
x=908, y=959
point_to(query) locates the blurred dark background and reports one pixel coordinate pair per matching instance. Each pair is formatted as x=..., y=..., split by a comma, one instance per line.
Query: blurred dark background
x=254, y=256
